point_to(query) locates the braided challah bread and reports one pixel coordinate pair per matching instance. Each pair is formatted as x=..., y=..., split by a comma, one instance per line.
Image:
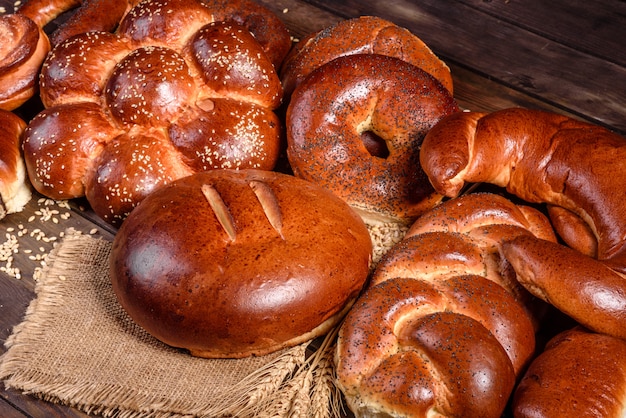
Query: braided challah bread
x=14, y=188
x=442, y=329
x=578, y=168
x=180, y=87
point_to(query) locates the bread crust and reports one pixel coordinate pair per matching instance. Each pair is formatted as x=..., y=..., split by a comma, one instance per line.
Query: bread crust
x=540, y=157
x=344, y=132
x=233, y=263
x=130, y=111
x=549, y=158
x=443, y=328
x=362, y=35
x=14, y=186
x=580, y=374
x=23, y=50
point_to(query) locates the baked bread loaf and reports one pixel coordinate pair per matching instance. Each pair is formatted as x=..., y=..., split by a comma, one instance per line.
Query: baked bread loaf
x=580, y=374
x=440, y=330
x=362, y=35
x=540, y=157
x=582, y=287
x=233, y=263
x=344, y=133
x=22, y=51
x=14, y=187
x=572, y=165
x=172, y=92
x=86, y=15
x=25, y=44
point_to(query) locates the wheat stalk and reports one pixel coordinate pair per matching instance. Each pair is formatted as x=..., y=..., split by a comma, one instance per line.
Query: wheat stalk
x=325, y=397
x=254, y=391
x=308, y=392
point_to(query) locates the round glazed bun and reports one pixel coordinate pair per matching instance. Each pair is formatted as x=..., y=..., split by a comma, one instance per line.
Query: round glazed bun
x=355, y=126
x=362, y=35
x=233, y=263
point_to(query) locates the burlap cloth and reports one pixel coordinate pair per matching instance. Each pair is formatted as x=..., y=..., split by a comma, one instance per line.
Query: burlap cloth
x=76, y=346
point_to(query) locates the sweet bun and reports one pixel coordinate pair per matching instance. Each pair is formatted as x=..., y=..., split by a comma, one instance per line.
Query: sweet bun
x=442, y=327
x=233, y=263
x=22, y=51
x=14, y=187
x=25, y=45
x=172, y=92
x=577, y=169
x=580, y=374
x=344, y=133
x=362, y=35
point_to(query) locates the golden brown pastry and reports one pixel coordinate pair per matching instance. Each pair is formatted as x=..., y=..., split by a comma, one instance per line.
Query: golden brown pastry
x=362, y=35
x=582, y=287
x=442, y=329
x=355, y=126
x=580, y=374
x=172, y=92
x=14, y=187
x=86, y=15
x=575, y=167
x=540, y=157
x=22, y=51
x=233, y=263
x=25, y=44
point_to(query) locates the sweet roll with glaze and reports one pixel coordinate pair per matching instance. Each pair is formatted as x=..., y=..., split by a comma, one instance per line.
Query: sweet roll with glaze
x=442, y=329
x=575, y=167
x=180, y=87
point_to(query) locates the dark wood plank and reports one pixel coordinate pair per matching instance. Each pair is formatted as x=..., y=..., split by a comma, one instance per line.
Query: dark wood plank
x=539, y=67
x=590, y=27
x=473, y=91
x=14, y=299
x=19, y=405
x=300, y=17
x=7, y=410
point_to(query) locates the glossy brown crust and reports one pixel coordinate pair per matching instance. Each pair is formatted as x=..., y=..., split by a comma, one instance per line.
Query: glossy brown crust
x=362, y=35
x=22, y=51
x=210, y=104
x=447, y=270
x=573, y=230
x=14, y=188
x=476, y=210
x=42, y=12
x=268, y=29
x=222, y=263
x=92, y=15
x=25, y=45
x=333, y=114
x=403, y=351
x=540, y=157
x=580, y=286
x=580, y=374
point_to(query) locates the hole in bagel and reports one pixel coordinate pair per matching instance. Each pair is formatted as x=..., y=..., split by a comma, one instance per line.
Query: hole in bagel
x=374, y=144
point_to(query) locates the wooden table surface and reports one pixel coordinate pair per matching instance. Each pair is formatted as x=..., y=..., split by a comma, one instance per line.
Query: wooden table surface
x=565, y=56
